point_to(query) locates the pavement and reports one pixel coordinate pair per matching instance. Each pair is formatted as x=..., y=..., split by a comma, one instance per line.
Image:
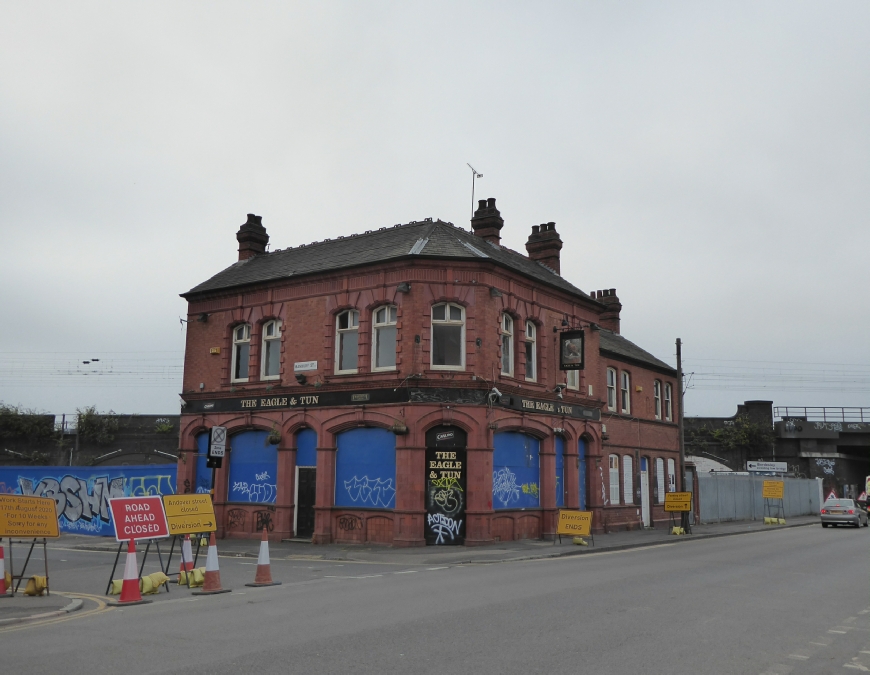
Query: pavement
x=528, y=549
x=20, y=608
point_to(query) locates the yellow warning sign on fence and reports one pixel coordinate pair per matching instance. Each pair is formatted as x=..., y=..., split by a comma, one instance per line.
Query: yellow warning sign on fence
x=187, y=514
x=678, y=501
x=25, y=516
x=576, y=523
x=773, y=489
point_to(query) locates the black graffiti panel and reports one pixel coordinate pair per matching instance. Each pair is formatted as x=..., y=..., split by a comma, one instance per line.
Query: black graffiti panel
x=445, y=496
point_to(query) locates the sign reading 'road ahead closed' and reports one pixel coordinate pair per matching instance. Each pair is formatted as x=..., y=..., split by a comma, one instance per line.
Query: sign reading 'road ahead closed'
x=189, y=514
x=24, y=516
x=138, y=518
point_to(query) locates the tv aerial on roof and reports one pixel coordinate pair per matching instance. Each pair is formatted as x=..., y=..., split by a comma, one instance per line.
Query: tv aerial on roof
x=474, y=175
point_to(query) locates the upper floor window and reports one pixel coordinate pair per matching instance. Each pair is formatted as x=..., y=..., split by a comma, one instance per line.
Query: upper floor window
x=626, y=392
x=657, y=398
x=531, y=352
x=611, y=388
x=346, y=341
x=669, y=406
x=448, y=337
x=507, y=343
x=384, y=338
x=241, y=352
x=572, y=378
x=270, y=369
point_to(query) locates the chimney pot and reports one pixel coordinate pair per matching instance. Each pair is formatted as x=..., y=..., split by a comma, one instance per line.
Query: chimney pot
x=544, y=245
x=490, y=202
x=252, y=237
x=481, y=204
x=535, y=229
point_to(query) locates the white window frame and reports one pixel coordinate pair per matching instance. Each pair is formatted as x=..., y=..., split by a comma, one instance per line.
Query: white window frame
x=270, y=338
x=572, y=379
x=669, y=402
x=627, y=480
x=353, y=318
x=507, y=344
x=625, y=392
x=376, y=334
x=613, y=462
x=531, y=339
x=660, y=480
x=237, y=344
x=447, y=321
x=672, y=476
x=657, y=398
x=611, y=389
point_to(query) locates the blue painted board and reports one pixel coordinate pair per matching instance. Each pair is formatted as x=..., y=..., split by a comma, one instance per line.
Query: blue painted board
x=365, y=469
x=253, y=468
x=306, y=448
x=516, y=471
x=560, y=471
x=581, y=449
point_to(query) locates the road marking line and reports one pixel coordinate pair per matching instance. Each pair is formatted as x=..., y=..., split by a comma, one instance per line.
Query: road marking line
x=857, y=666
x=863, y=652
x=798, y=656
x=432, y=569
x=820, y=644
x=841, y=632
x=407, y=572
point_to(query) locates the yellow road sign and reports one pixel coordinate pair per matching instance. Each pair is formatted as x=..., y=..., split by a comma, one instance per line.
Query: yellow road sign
x=191, y=524
x=678, y=501
x=773, y=489
x=25, y=516
x=577, y=523
x=187, y=514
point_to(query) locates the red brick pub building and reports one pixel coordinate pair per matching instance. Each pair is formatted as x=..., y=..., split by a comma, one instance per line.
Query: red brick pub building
x=403, y=386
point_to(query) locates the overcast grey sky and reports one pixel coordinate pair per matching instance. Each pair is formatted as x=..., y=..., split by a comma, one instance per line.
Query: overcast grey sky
x=708, y=160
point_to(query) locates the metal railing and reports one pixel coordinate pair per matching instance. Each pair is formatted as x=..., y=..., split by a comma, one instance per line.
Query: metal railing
x=823, y=414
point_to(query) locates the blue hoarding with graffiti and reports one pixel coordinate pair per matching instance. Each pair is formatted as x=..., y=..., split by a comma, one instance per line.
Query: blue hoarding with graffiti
x=253, y=468
x=365, y=469
x=516, y=473
x=82, y=493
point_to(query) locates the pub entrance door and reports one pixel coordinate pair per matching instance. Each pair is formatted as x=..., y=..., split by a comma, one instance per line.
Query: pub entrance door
x=446, y=476
x=306, y=491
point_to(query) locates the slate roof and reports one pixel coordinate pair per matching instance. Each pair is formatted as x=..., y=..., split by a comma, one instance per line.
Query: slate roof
x=620, y=347
x=426, y=239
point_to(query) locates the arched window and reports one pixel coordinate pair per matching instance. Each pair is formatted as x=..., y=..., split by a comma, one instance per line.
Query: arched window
x=611, y=388
x=306, y=448
x=516, y=471
x=365, y=469
x=669, y=407
x=657, y=398
x=241, y=352
x=202, y=482
x=626, y=392
x=627, y=480
x=448, y=337
x=614, y=480
x=531, y=352
x=560, y=471
x=384, y=338
x=507, y=345
x=253, y=468
x=270, y=369
x=660, y=480
x=346, y=341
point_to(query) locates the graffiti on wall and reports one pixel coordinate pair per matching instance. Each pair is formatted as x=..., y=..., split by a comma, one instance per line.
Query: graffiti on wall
x=442, y=526
x=504, y=486
x=82, y=495
x=374, y=492
x=826, y=465
x=253, y=492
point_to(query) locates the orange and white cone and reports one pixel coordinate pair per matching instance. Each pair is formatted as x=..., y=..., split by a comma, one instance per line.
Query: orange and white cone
x=3, y=589
x=130, y=593
x=186, y=558
x=212, y=582
x=264, y=568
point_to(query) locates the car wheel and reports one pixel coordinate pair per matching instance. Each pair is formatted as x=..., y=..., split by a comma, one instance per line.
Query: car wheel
x=824, y=524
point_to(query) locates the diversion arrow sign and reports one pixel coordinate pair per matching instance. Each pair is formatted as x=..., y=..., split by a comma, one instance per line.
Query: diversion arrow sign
x=189, y=514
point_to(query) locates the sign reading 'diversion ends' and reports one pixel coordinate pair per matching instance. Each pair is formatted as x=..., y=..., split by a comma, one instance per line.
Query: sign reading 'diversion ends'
x=25, y=516
x=138, y=518
x=577, y=523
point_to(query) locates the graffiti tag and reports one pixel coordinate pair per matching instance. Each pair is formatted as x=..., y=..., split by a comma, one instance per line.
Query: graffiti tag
x=504, y=486
x=443, y=525
x=375, y=492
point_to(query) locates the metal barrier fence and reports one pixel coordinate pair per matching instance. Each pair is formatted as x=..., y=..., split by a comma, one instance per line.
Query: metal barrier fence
x=725, y=496
x=819, y=414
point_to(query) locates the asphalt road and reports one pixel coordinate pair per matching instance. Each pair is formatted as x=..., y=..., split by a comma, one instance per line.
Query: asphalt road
x=777, y=602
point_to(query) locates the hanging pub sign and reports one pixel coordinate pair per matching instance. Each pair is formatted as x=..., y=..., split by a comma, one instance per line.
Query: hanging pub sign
x=571, y=349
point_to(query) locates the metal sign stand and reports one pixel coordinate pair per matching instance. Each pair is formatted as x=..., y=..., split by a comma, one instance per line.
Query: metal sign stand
x=141, y=567
x=591, y=536
x=169, y=559
x=768, y=508
x=23, y=575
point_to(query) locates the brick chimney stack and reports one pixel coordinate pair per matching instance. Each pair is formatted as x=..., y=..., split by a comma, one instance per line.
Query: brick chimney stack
x=252, y=237
x=544, y=245
x=609, y=318
x=487, y=221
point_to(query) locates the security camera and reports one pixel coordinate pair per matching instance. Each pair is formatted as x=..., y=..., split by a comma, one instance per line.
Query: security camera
x=494, y=395
x=496, y=392
x=558, y=389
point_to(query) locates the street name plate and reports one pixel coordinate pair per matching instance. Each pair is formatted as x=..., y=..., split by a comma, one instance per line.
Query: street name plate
x=138, y=518
x=678, y=501
x=24, y=516
x=577, y=523
x=187, y=514
x=773, y=489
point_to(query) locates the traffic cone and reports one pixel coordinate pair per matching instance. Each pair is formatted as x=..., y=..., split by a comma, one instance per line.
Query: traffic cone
x=3, y=590
x=264, y=569
x=130, y=594
x=186, y=560
x=212, y=583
